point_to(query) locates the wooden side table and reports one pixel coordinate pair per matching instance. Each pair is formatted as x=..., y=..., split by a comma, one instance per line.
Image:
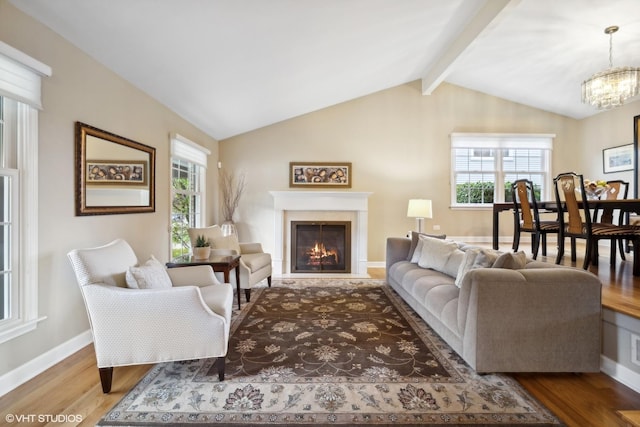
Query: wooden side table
x=219, y=263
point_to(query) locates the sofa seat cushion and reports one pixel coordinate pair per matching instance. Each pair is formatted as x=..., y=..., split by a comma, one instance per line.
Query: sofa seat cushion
x=256, y=261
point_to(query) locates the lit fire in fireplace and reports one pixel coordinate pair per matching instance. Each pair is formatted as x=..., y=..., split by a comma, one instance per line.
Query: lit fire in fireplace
x=319, y=254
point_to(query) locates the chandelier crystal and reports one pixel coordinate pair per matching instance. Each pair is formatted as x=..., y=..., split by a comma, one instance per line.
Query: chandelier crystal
x=610, y=88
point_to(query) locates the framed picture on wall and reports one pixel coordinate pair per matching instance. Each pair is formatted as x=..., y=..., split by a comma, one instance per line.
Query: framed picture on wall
x=617, y=159
x=319, y=174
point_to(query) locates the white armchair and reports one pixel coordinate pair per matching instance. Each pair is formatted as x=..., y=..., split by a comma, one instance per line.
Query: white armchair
x=255, y=264
x=147, y=314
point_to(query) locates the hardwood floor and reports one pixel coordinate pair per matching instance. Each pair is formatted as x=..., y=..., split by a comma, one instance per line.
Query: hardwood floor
x=69, y=393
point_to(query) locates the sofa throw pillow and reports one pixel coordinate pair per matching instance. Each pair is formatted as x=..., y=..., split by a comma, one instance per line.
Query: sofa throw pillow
x=476, y=258
x=417, y=252
x=226, y=242
x=415, y=238
x=150, y=275
x=510, y=260
x=436, y=253
x=453, y=263
x=466, y=264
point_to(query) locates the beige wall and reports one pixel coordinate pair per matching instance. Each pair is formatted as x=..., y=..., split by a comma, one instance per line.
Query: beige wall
x=398, y=142
x=80, y=89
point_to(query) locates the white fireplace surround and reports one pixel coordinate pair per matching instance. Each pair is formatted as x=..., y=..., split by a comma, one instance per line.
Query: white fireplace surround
x=320, y=205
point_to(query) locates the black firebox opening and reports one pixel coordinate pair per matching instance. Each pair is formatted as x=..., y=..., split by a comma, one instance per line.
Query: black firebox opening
x=321, y=247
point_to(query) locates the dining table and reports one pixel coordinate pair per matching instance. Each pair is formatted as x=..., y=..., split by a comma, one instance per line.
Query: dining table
x=624, y=205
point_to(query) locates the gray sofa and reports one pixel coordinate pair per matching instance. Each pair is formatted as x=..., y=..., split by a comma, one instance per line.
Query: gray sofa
x=539, y=318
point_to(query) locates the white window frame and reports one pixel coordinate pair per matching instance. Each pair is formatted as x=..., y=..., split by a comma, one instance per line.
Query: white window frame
x=500, y=142
x=184, y=149
x=20, y=80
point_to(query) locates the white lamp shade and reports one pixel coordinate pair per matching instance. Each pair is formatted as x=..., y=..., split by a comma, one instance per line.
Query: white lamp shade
x=419, y=208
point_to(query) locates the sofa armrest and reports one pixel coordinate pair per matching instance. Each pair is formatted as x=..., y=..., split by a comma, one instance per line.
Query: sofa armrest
x=397, y=250
x=539, y=319
x=250, y=248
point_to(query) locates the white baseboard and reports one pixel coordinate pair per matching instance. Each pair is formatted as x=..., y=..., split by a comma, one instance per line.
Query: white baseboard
x=24, y=373
x=620, y=373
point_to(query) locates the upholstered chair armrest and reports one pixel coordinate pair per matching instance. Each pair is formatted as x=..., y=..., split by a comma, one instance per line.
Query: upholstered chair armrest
x=173, y=323
x=250, y=248
x=197, y=275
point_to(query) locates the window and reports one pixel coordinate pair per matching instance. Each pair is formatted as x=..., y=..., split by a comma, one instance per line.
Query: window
x=188, y=189
x=20, y=78
x=483, y=166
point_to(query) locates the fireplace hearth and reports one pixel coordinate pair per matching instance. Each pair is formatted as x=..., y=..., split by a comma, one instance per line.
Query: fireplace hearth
x=320, y=246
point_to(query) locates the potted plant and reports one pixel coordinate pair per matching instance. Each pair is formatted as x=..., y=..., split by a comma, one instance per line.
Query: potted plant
x=202, y=249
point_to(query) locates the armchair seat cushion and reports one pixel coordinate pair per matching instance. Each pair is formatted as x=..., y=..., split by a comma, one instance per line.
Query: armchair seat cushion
x=256, y=261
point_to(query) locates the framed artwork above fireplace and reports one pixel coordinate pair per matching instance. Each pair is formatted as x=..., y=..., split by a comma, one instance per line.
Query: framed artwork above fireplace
x=320, y=174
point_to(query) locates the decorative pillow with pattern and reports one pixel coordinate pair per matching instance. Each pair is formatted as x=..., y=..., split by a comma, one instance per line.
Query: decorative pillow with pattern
x=150, y=275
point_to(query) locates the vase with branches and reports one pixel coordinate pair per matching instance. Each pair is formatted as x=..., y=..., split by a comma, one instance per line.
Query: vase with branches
x=231, y=189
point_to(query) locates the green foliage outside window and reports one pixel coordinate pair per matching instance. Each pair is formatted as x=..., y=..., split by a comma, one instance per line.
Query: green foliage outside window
x=483, y=192
x=180, y=218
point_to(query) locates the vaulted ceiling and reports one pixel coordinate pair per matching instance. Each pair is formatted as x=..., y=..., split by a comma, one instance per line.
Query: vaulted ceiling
x=231, y=66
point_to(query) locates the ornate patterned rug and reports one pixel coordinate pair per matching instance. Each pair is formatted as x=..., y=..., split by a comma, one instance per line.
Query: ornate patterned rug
x=328, y=352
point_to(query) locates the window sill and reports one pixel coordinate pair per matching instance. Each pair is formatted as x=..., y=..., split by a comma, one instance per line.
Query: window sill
x=19, y=328
x=472, y=208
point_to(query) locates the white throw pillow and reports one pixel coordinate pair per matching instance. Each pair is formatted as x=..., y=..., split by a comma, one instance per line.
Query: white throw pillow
x=435, y=253
x=453, y=263
x=417, y=251
x=150, y=275
x=466, y=264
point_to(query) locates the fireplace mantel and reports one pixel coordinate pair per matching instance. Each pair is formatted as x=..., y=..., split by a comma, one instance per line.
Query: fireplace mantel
x=321, y=201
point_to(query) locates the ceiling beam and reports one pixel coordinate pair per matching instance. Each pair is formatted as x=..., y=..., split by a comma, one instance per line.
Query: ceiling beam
x=450, y=54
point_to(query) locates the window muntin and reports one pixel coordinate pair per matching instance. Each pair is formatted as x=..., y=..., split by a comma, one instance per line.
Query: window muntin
x=480, y=161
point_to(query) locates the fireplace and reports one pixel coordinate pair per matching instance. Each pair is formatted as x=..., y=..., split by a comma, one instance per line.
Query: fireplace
x=320, y=206
x=320, y=246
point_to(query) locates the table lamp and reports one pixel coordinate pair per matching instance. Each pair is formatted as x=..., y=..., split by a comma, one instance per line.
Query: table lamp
x=419, y=209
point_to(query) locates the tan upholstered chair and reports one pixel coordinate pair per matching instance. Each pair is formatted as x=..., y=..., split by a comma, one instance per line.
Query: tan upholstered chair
x=176, y=314
x=255, y=264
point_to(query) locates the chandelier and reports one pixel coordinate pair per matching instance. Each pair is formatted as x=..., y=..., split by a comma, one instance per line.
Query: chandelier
x=610, y=88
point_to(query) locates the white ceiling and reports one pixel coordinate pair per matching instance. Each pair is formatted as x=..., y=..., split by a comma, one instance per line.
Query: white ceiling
x=231, y=66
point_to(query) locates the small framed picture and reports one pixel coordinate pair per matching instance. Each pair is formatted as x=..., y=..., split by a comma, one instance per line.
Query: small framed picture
x=320, y=174
x=116, y=172
x=617, y=159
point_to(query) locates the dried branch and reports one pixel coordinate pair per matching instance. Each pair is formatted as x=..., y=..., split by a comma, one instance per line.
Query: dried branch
x=231, y=192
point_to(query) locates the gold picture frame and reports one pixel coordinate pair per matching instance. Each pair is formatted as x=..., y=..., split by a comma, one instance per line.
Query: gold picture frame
x=320, y=174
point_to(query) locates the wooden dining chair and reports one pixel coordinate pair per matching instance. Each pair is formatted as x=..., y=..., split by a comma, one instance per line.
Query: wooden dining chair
x=576, y=222
x=527, y=218
x=616, y=189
